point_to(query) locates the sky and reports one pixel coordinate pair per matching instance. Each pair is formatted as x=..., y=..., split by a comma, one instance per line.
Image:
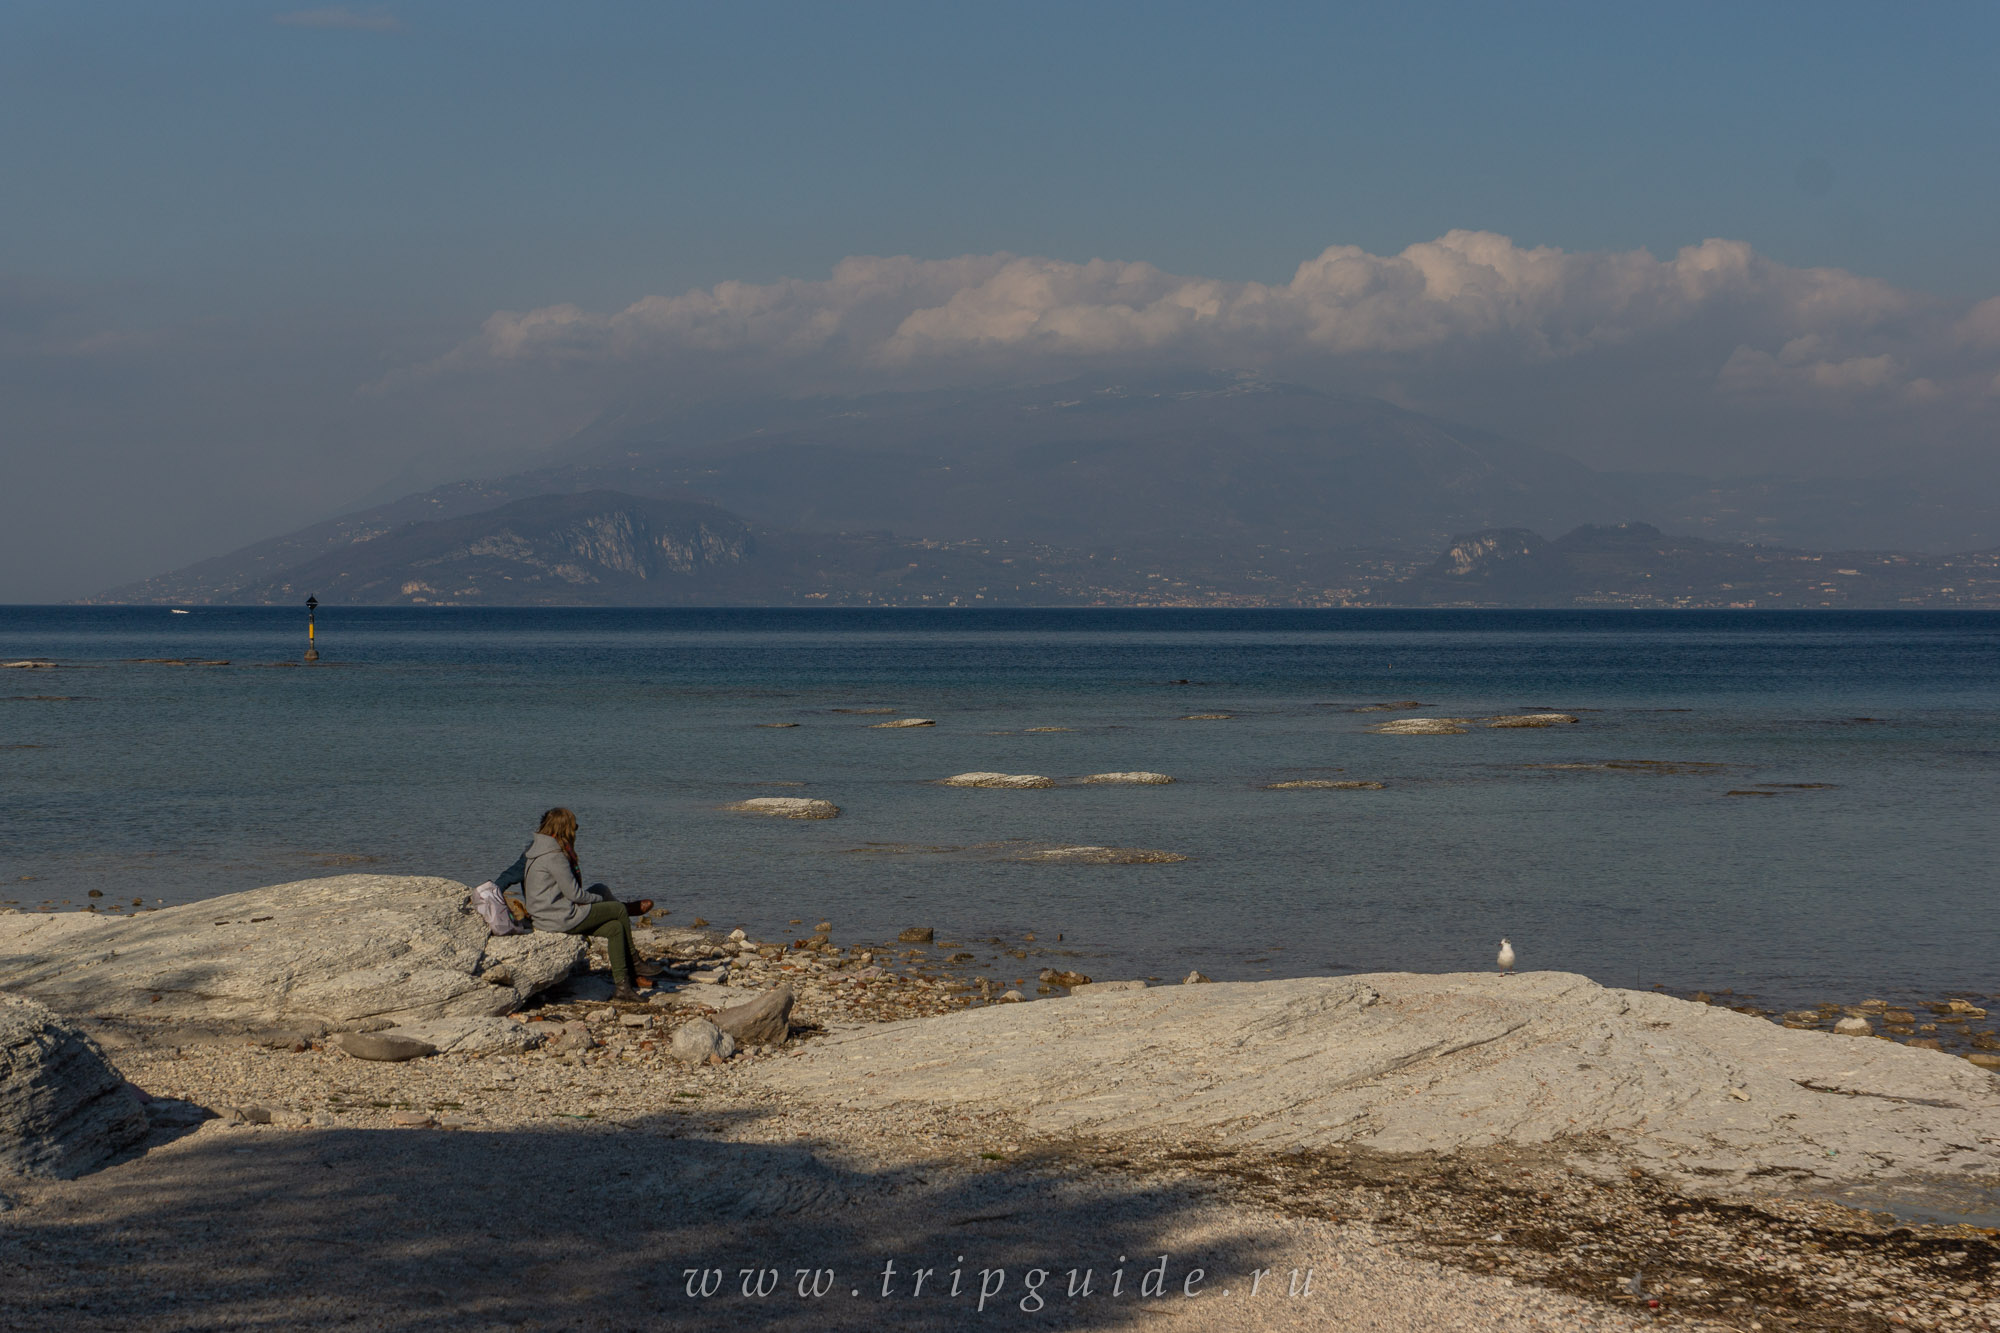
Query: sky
x=260, y=262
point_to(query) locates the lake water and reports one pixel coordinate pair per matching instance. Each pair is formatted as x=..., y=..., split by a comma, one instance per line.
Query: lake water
x=429, y=741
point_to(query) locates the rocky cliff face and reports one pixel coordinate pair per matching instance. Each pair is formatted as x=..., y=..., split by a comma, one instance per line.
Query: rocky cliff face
x=1477, y=555
x=595, y=547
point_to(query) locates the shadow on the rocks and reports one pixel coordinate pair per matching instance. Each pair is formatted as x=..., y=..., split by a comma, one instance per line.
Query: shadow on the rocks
x=594, y=1227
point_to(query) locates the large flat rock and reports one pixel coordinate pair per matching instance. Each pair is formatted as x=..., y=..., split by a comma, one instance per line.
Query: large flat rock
x=64, y=1109
x=348, y=952
x=1400, y=1062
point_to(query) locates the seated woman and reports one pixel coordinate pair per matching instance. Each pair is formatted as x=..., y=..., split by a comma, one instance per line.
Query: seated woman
x=551, y=886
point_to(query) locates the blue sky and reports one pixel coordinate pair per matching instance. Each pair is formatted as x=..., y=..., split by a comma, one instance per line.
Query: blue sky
x=268, y=210
x=503, y=153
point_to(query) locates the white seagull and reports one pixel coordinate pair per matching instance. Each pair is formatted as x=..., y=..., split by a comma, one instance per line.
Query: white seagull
x=1506, y=958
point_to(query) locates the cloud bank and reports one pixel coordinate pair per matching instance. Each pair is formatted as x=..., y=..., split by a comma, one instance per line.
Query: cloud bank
x=1717, y=317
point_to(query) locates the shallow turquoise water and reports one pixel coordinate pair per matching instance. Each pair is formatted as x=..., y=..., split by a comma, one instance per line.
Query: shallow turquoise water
x=430, y=740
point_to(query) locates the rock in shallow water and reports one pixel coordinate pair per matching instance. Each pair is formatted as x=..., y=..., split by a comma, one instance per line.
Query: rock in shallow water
x=786, y=807
x=1421, y=726
x=64, y=1108
x=1101, y=856
x=905, y=722
x=1531, y=720
x=998, y=780
x=1135, y=779
x=1323, y=784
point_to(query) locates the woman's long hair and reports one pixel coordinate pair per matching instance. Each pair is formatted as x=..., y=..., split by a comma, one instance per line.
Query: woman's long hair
x=560, y=824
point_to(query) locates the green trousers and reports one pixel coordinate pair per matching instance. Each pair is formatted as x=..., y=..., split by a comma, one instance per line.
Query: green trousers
x=613, y=924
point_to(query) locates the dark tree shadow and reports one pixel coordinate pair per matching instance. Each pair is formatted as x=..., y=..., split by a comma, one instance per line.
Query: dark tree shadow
x=594, y=1227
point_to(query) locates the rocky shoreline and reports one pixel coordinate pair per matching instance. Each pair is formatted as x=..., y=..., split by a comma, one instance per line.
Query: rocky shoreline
x=854, y=1119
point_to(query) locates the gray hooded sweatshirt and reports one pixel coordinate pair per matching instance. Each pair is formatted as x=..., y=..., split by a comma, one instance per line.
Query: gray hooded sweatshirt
x=555, y=900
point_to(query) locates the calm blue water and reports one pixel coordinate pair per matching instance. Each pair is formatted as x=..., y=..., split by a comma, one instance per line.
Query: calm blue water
x=430, y=741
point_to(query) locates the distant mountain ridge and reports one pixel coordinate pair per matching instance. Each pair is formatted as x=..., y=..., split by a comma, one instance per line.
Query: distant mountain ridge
x=596, y=546
x=1212, y=472
x=603, y=548
x=1140, y=465
x=1637, y=565
x=1219, y=489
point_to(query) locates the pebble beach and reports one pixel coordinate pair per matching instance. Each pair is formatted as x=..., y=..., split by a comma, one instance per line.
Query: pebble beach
x=594, y=1180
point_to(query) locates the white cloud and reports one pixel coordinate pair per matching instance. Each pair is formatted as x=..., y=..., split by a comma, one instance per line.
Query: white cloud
x=1981, y=325
x=1716, y=358
x=1467, y=298
x=340, y=16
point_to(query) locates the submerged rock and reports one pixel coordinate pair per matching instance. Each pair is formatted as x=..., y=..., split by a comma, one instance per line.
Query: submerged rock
x=786, y=807
x=917, y=935
x=1324, y=784
x=64, y=1108
x=1207, y=717
x=1530, y=720
x=1400, y=706
x=1421, y=726
x=348, y=952
x=1137, y=779
x=1102, y=856
x=998, y=780
x=906, y=722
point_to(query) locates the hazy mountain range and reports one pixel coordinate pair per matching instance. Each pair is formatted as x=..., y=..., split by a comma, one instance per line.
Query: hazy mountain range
x=1219, y=489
